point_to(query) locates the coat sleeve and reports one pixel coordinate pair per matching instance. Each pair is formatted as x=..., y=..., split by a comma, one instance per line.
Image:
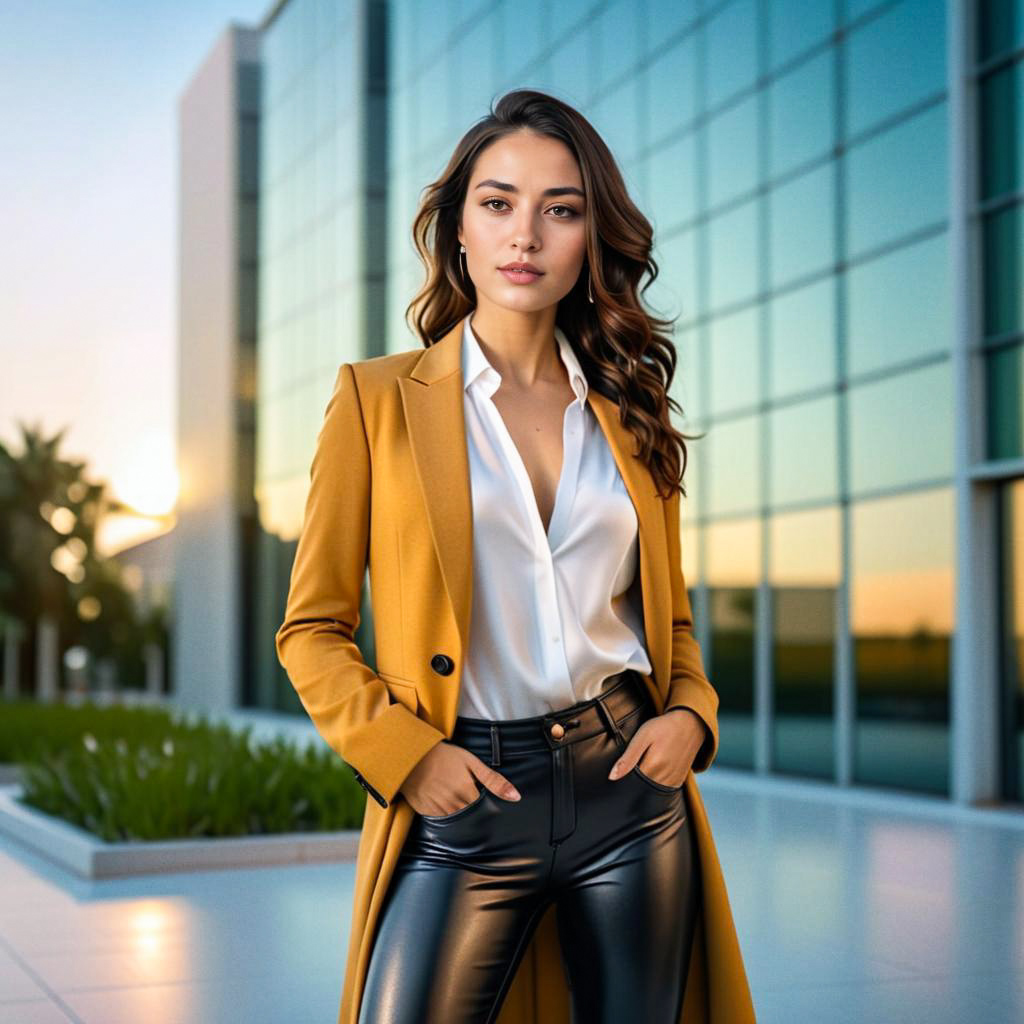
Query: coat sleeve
x=381, y=740
x=688, y=685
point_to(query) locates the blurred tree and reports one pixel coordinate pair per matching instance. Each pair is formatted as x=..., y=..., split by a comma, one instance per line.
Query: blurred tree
x=49, y=565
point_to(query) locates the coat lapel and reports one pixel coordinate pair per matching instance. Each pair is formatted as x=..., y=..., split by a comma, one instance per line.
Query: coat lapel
x=432, y=397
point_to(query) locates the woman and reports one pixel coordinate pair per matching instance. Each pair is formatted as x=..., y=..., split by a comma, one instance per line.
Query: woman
x=535, y=845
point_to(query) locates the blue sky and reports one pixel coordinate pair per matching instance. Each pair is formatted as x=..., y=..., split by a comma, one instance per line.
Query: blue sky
x=88, y=208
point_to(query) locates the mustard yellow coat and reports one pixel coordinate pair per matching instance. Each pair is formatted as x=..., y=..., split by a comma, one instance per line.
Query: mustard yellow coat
x=390, y=489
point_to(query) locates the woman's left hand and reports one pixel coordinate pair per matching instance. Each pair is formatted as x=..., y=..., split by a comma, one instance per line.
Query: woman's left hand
x=668, y=743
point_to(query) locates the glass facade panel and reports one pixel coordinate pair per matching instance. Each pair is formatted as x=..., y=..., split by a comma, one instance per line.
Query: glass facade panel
x=803, y=225
x=804, y=573
x=730, y=36
x=733, y=255
x=618, y=33
x=734, y=461
x=1011, y=630
x=1001, y=97
x=672, y=185
x=732, y=143
x=671, y=90
x=802, y=122
x=898, y=306
x=668, y=17
x=311, y=257
x=1003, y=255
x=796, y=25
x=901, y=608
x=898, y=181
x=901, y=429
x=1000, y=27
x=887, y=68
x=674, y=291
x=473, y=68
x=813, y=352
x=804, y=463
x=1004, y=370
x=734, y=355
x=733, y=571
x=617, y=117
x=803, y=331
x=686, y=387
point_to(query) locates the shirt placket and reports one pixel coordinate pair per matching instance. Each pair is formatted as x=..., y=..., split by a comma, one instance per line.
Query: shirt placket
x=553, y=653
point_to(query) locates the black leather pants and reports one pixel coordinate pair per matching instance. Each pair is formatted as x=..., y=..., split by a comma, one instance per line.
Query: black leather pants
x=617, y=857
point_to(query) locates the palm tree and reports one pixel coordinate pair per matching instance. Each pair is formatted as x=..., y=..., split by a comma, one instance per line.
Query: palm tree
x=50, y=571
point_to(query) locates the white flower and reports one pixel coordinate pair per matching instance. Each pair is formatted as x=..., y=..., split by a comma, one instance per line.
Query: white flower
x=90, y=743
x=168, y=747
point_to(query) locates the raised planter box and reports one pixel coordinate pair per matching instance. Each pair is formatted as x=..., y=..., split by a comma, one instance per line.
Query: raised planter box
x=84, y=855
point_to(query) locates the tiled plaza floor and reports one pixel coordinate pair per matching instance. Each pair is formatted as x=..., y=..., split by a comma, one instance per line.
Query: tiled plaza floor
x=851, y=907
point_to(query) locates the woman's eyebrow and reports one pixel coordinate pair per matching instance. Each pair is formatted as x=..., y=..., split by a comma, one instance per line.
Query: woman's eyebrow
x=557, y=190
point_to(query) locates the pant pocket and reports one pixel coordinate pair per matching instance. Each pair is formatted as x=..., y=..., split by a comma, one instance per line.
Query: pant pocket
x=443, y=819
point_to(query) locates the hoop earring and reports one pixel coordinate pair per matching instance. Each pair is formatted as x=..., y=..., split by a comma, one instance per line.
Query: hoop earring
x=590, y=294
x=462, y=263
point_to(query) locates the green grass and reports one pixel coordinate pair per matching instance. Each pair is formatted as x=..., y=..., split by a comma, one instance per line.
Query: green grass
x=135, y=774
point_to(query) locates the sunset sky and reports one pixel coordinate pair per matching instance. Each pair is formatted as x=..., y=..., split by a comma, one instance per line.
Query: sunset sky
x=88, y=98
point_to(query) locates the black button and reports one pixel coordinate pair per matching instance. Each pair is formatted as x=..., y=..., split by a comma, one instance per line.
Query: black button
x=442, y=664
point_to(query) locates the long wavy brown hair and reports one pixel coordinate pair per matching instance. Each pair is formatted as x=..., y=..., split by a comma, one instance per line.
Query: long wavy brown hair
x=622, y=348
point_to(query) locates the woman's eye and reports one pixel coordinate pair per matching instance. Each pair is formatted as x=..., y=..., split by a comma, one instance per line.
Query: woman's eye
x=568, y=215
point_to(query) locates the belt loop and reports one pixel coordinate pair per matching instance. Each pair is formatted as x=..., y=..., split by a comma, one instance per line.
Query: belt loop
x=609, y=721
x=495, y=747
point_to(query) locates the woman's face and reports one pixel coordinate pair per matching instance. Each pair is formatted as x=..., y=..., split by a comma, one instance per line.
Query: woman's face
x=510, y=216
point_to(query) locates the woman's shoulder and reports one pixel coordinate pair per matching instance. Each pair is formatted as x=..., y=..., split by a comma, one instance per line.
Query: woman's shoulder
x=379, y=373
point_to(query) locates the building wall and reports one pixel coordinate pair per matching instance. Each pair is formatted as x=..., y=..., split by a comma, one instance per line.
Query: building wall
x=216, y=117
x=321, y=265
x=835, y=189
x=994, y=60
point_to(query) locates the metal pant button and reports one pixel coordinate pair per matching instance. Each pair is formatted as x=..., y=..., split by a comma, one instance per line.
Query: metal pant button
x=557, y=730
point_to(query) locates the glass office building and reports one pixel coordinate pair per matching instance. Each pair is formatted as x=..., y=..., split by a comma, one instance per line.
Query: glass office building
x=836, y=193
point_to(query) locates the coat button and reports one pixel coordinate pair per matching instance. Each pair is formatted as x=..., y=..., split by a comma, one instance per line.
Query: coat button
x=442, y=664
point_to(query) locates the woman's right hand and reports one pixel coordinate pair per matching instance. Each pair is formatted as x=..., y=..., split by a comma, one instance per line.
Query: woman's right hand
x=442, y=781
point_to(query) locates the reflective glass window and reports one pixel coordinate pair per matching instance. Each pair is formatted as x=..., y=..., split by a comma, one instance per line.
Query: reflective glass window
x=898, y=306
x=733, y=478
x=796, y=25
x=898, y=180
x=804, y=574
x=732, y=145
x=1003, y=279
x=894, y=61
x=901, y=428
x=735, y=360
x=733, y=570
x=802, y=351
x=802, y=218
x=901, y=610
x=731, y=47
x=671, y=90
x=801, y=118
x=1004, y=373
x=733, y=257
x=804, y=452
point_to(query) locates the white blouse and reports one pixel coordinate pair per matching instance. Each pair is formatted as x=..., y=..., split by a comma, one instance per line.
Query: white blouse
x=553, y=614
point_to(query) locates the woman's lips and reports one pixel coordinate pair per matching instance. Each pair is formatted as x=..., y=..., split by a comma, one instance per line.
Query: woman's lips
x=520, y=276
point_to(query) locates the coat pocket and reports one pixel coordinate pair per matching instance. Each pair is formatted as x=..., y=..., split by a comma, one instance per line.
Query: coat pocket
x=402, y=690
